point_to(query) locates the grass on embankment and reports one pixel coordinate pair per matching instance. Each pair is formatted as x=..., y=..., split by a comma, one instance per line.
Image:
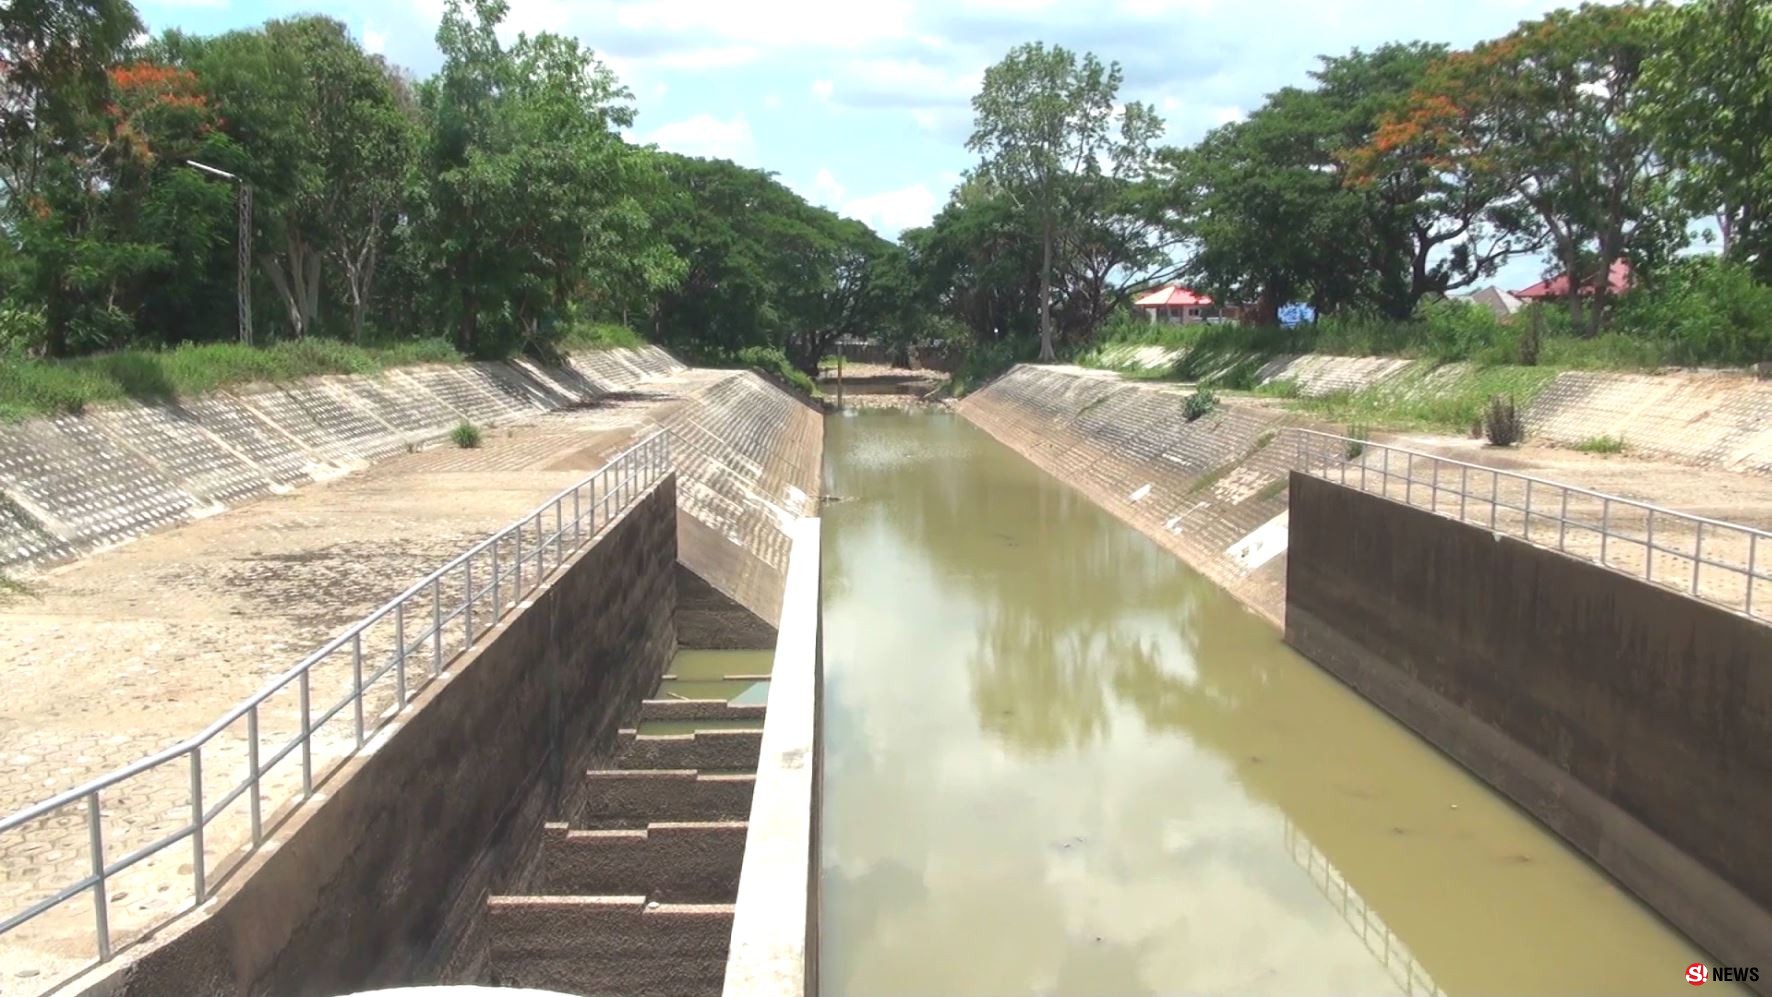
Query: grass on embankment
x=51, y=387
x=1449, y=398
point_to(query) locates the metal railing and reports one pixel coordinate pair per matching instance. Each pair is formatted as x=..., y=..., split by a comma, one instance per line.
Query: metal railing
x=1718, y=562
x=377, y=665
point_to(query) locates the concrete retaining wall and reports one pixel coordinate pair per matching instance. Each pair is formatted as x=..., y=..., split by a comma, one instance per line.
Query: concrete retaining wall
x=1211, y=491
x=74, y=484
x=384, y=881
x=1635, y=721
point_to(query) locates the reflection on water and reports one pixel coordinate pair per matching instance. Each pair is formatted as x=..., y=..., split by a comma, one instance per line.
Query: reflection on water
x=1058, y=761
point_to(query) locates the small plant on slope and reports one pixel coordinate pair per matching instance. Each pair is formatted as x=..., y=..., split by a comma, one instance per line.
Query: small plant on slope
x=465, y=435
x=1502, y=423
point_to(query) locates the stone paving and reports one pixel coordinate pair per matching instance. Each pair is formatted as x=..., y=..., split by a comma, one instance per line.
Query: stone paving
x=119, y=655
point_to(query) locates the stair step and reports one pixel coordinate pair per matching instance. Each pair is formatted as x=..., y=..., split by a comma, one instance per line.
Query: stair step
x=597, y=945
x=698, y=709
x=708, y=749
x=645, y=795
x=689, y=862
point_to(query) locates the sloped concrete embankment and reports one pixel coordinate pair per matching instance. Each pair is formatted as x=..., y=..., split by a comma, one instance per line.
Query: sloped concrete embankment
x=1710, y=418
x=750, y=458
x=1212, y=491
x=77, y=483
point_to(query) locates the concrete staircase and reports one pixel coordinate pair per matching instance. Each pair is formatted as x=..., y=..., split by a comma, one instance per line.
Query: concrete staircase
x=634, y=894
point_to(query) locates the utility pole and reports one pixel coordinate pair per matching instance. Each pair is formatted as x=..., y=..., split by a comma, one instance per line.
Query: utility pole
x=242, y=246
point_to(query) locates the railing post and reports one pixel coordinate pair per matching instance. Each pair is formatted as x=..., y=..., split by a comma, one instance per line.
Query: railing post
x=593, y=503
x=400, y=652
x=357, y=682
x=197, y=885
x=101, y=911
x=1434, y=489
x=518, y=558
x=252, y=773
x=559, y=534
x=1697, y=553
x=1753, y=543
x=1409, y=480
x=436, y=626
x=1464, y=487
x=1528, y=508
x=467, y=599
x=1605, y=528
x=1494, y=497
x=1563, y=520
x=1385, y=472
x=1649, y=547
x=498, y=604
x=307, y=739
x=578, y=533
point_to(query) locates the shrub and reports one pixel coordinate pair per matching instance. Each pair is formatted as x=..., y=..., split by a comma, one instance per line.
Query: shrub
x=1201, y=402
x=773, y=362
x=1357, y=435
x=465, y=435
x=1601, y=444
x=1502, y=422
x=1454, y=329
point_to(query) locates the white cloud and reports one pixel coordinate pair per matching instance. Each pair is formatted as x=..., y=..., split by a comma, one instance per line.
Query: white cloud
x=822, y=89
x=826, y=187
x=706, y=135
x=374, y=41
x=772, y=100
x=891, y=212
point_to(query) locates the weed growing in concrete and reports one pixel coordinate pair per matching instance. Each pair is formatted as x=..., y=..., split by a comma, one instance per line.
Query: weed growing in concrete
x=1271, y=489
x=1357, y=435
x=1601, y=444
x=1201, y=402
x=1263, y=440
x=1502, y=424
x=465, y=435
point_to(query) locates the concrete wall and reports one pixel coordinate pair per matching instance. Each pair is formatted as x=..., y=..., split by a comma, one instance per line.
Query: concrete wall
x=73, y=484
x=1633, y=720
x=384, y=881
x=774, y=951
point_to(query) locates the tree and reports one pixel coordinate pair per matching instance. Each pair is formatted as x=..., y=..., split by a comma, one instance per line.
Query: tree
x=1708, y=105
x=1549, y=114
x=54, y=61
x=1043, y=121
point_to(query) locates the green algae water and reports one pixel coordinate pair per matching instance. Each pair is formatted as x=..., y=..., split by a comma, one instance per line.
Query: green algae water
x=1058, y=761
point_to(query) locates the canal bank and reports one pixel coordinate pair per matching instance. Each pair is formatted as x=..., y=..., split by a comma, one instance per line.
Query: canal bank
x=1059, y=760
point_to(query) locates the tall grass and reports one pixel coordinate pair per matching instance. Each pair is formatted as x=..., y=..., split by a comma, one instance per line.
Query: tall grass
x=48, y=387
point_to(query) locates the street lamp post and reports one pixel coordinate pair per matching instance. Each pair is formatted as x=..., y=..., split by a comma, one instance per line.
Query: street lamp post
x=242, y=245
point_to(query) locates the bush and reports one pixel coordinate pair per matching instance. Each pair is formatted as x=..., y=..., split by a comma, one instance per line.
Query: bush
x=598, y=336
x=1357, y=435
x=465, y=435
x=983, y=361
x=1601, y=444
x=1502, y=422
x=1198, y=404
x=1704, y=311
x=773, y=362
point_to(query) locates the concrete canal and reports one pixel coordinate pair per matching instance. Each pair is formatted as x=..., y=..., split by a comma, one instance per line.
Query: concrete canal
x=1057, y=760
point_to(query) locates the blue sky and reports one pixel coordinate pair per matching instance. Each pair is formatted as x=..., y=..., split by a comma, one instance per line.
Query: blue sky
x=863, y=107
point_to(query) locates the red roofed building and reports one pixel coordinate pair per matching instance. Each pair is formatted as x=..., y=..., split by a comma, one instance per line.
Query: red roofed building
x=1177, y=305
x=1618, y=280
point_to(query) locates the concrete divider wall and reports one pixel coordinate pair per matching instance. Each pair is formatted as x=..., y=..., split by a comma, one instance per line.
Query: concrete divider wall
x=1635, y=721
x=73, y=484
x=1210, y=491
x=384, y=881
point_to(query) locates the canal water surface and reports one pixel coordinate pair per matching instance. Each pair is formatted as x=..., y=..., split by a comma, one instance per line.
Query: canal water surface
x=1058, y=761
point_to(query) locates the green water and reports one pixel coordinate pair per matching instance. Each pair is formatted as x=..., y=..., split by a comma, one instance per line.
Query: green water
x=1058, y=761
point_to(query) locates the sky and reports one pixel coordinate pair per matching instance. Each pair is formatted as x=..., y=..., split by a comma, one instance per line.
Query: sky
x=865, y=107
